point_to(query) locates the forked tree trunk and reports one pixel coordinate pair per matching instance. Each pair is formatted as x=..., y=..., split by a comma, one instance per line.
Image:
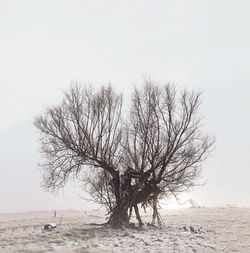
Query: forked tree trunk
x=119, y=215
x=128, y=197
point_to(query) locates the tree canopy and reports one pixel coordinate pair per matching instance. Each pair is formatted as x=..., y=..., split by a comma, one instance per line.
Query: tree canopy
x=124, y=159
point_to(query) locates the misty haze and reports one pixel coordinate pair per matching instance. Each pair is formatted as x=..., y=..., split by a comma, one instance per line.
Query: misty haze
x=124, y=126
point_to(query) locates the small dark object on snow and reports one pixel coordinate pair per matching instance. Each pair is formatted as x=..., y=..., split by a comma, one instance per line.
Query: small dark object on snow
x=200, y=230
x=185, y=228
x=49, y=227
x=192, y=229
x=151, y=225
x=196, y=231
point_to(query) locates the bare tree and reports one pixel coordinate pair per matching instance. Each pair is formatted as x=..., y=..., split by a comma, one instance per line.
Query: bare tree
x=157, y=151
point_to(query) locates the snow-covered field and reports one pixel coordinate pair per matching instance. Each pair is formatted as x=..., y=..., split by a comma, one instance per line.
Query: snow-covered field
x=220, y=230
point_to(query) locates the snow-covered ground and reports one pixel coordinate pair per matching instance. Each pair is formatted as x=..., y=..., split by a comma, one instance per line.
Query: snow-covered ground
x=220, y=230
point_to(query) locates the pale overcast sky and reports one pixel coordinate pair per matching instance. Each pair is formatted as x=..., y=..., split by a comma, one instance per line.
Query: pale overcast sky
x=202, y=44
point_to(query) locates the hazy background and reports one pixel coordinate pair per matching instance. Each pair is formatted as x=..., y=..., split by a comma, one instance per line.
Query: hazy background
x=45, y=45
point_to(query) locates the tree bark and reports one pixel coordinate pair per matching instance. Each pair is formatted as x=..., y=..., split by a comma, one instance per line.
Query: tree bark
x=138, y=217
x=120, y=214
x=119, y=217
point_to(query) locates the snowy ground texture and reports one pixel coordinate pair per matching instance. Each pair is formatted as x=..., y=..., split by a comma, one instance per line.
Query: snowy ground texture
x=220, y=230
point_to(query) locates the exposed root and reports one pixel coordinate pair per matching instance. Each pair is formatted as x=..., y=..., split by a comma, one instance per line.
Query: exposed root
x=98, y=224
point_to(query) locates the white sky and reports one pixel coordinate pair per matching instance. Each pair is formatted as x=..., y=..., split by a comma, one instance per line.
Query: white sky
x=44, y=45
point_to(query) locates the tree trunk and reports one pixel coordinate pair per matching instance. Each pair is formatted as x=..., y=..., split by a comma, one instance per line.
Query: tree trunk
x=138, y=217
x=127, y=199
x=119, y=217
